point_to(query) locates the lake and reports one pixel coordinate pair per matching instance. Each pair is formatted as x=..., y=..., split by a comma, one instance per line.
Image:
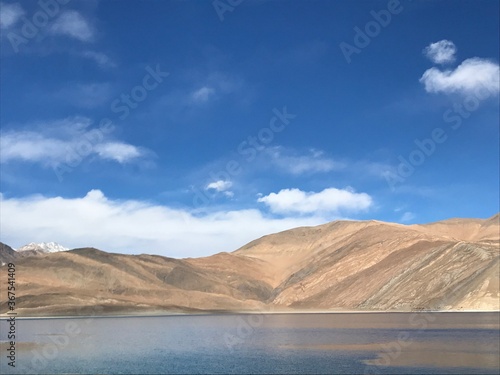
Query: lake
x=326, y=343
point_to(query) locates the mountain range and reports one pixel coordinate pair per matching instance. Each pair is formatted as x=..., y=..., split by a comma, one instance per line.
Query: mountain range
x=342, y=265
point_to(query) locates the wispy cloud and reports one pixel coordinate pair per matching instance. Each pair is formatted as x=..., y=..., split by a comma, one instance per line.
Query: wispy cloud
x=134, y=226
x=118, y=151
x=101, y=59
x=371, y=168
x=225, y=83
x=10, y=14
x=441, y=52
x=407, y=217
x=215, y=85
x=74, y=25
x=51, y=144
x=197, y=92
x=331, y=200
x=31, y=147
x=202, y=95
x=295, y=163
x=219, y=185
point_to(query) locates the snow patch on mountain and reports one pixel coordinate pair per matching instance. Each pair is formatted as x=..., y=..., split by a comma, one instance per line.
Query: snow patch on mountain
x=43, y=247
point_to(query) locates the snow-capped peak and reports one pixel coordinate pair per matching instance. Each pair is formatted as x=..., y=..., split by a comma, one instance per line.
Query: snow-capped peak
x=44, y=247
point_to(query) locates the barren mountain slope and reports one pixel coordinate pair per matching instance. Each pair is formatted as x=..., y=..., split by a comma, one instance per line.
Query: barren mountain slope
x=376, y=265
x=7, y=253
x=73, y=282
x=342, y=265
x=289, y=251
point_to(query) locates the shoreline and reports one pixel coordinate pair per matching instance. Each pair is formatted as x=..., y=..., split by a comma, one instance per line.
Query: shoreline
x=213, y=313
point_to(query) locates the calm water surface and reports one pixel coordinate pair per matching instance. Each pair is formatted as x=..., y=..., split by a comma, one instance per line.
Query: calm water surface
x=371, y=343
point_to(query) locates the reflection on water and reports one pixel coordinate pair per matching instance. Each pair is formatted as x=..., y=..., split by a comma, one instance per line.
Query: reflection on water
x=369, y=343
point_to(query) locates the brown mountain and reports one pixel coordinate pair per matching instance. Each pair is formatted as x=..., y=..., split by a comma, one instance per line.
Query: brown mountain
x=342, y=265
x=7, y=253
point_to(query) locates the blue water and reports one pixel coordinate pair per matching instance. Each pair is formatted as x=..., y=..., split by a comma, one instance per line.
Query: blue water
x=259, y=344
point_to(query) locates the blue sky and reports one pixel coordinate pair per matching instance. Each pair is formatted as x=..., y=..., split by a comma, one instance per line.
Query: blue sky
x=186, y=128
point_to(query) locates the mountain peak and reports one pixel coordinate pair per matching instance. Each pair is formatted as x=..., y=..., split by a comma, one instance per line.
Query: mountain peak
x=43, y=247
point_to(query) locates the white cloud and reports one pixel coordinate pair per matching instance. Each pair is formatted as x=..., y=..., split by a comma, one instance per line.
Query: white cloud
x=220, y=185
x=10, y=14
x=117, y=151
x=441, y=52
x=203, y=94
x=469, y=77
x=53, y=142
x=30, y=146
x=133, y=226
x=71, y=23
x=331, y=200
x=291, y=162
x=101, y=59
